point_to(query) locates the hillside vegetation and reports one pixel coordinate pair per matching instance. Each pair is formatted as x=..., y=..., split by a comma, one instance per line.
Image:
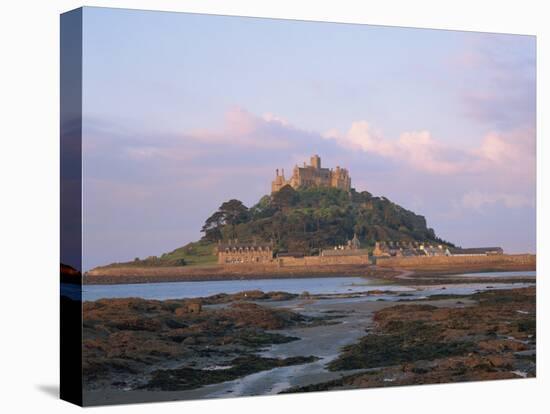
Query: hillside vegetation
x=310, y=219
x=302, y=221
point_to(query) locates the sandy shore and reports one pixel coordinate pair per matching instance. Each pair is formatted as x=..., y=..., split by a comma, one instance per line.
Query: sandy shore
x=127, y=275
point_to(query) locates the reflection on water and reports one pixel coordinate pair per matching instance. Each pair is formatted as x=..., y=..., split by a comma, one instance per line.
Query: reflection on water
x=325, y=285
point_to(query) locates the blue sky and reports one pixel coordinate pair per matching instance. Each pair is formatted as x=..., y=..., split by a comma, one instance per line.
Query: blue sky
x=183, y=111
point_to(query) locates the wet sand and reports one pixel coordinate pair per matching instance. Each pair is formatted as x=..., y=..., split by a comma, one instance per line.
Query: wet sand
x=126, y=275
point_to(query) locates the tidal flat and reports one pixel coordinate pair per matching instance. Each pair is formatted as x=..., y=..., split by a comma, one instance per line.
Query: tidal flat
x=256, y=343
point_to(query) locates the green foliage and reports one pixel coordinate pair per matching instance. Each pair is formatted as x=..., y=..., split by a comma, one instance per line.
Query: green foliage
x=309, y=219
x=196, y=253
x=285, y=198
x=230, y=214
x=300, y=221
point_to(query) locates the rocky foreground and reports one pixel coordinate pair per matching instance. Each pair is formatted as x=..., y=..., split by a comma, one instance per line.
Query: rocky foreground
x=425, y=344
x=137, y=349
x=180, y=344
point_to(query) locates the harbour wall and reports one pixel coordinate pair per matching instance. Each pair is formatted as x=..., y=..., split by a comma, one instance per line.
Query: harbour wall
x=418, y=262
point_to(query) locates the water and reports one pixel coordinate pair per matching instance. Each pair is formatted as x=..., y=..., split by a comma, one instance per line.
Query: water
x=325, y=285
x=526, y=274
x=466, y=289
x=177, y=290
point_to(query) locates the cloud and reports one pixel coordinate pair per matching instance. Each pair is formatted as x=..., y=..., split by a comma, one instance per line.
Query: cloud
x=499, y=74
x=416, y=148
x=419, y=150
x=477, y=200
x=273, y=139
x=148, y=183
x=240, y=127
x=509, y=147
x=269, y=117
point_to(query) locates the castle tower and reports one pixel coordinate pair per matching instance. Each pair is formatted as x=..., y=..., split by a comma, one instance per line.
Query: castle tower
x=279, y=181
x=316, y=162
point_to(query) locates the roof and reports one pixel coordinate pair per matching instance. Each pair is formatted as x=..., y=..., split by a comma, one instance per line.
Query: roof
x=239, y=245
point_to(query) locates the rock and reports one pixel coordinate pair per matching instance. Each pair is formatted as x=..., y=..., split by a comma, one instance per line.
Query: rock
x=501, y=345
x=500, y=361
x=407, y=367
x=194, y=307
x=132, y=335
x=188, y=307
x=190, y=340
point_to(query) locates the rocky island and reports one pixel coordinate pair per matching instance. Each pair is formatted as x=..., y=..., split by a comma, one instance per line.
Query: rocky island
x=314, y=224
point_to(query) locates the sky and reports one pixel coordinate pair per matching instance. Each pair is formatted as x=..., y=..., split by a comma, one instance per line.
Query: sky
x=182, y=112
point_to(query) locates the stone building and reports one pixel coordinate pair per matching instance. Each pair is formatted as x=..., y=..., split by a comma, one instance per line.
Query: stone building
x=407, y=249
x=351, y=248
x=313, y=175
x=234, y=252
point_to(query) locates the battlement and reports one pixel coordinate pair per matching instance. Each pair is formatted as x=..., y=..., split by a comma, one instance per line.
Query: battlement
x=313, y=175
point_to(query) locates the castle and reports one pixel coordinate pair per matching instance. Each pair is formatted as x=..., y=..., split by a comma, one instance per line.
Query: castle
x=313, y=176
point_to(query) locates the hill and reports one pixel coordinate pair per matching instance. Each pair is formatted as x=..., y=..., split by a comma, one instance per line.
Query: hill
x=302, y=221
x=310, y=219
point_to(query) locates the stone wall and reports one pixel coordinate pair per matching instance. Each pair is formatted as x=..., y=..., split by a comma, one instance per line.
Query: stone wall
x=321, y=261
x=445, y=261
x=345, y=253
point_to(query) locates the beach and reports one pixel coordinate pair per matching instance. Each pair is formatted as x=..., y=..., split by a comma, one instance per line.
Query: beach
x=300, y=342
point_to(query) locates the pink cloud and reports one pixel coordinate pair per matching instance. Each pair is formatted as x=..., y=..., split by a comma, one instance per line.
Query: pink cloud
x=416, y=148
x=509, y=147
x=269, y=117
x=240, y=127
x=510, y=151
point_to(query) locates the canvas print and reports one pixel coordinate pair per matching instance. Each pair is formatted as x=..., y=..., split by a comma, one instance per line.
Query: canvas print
x=258, y=206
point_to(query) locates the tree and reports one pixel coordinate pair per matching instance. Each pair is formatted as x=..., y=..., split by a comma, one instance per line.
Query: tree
x=212, y=226
x=285, y=198
x=309, y=219
x=231, y=213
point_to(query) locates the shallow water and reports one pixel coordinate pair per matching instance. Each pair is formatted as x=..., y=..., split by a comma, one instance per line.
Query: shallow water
x=524, y=274
x=322, y=285
x=176, y=290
